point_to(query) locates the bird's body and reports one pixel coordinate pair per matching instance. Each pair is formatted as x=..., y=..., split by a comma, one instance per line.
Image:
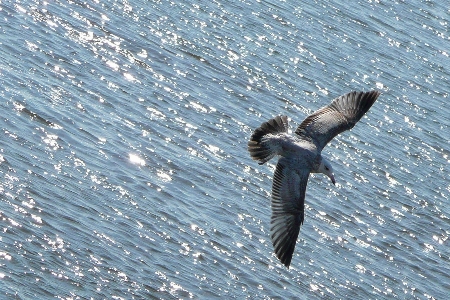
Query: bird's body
x=300, y=155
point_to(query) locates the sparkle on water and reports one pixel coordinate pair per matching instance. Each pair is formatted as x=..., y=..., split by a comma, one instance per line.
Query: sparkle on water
x=123, y=163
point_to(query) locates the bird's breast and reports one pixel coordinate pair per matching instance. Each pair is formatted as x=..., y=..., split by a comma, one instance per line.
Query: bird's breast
x=301, y=152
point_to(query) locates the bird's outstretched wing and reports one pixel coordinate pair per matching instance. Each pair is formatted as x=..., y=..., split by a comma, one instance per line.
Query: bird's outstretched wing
x=340, y=115
x=288, y=198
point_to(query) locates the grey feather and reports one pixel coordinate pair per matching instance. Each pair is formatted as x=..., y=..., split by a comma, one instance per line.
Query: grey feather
x=300, y=156
x=340, y=115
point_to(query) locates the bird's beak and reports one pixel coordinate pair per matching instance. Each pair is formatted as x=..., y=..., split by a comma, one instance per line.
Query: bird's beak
x=332, y=179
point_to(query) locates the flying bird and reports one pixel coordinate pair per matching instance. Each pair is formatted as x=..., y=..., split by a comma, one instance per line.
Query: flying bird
x=300, y=155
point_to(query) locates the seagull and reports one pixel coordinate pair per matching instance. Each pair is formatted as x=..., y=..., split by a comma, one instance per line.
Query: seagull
x=300, y=155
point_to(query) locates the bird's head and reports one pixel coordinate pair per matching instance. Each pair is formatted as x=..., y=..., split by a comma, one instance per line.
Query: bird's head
x=326, y=168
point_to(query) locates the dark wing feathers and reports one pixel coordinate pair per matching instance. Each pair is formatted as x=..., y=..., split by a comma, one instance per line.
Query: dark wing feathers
x=288, y=196
x=260, y=150
x=342, y=114
x=273, y=126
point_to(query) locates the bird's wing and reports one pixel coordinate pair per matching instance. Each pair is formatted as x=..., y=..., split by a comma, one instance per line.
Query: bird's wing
x=342, y=114
x=288, y=197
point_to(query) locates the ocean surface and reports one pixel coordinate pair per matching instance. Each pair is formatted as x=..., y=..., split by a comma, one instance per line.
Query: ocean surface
x=124, y=170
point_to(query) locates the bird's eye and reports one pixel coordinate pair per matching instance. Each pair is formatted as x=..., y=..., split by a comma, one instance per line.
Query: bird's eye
x=326, y=168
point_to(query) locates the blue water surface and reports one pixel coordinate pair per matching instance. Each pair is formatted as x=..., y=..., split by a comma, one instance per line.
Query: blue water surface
x=124, y=172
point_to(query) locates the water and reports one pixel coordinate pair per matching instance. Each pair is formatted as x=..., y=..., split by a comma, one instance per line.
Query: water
x=123, y=162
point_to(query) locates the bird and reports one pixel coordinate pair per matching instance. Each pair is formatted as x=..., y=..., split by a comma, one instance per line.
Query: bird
x=299, y=155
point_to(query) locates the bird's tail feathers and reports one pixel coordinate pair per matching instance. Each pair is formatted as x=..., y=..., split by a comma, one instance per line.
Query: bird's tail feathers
x=259, y=145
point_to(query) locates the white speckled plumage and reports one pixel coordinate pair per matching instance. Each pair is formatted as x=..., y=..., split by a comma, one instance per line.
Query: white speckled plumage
x=300, y=155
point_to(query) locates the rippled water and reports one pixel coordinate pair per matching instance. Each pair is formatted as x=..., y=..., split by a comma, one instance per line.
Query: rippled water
x=123, y=164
